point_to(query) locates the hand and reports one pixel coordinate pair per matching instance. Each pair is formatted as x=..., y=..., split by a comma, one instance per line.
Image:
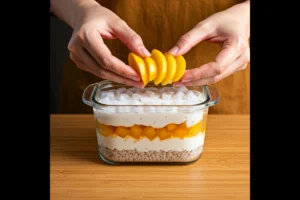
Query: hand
x=230, y=27
x=90, y=53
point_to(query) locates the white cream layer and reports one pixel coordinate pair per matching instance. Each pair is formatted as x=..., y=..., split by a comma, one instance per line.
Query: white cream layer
x=144, y=145
x=155, y=120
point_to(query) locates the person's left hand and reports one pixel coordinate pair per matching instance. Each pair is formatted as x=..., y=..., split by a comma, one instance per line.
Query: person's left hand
x=230, y=27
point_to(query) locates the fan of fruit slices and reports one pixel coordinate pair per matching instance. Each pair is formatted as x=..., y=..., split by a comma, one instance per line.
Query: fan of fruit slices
x=160, y=68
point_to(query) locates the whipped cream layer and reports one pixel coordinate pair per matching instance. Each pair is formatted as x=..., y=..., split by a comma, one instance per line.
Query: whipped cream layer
x=155, y=120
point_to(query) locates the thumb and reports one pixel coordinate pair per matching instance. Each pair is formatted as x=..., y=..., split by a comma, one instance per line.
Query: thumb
x=199, y=33
x=130, y=38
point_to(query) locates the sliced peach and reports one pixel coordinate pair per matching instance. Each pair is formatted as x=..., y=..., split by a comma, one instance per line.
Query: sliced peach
x=136, y=131
x=171, y=127
x=138, y=64
x=163, y=133
x=151, y=68
x=122, y=131
x=171, y=69
x=161, y=64
x=180, y=68
x=149, y=132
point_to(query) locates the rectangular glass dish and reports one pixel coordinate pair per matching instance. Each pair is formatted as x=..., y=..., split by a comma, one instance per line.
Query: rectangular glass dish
x=155, y=124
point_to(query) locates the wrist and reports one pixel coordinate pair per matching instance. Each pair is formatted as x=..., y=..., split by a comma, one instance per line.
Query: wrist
x=245, y=8
x=71, y=11
x=83, y=9
x=241, y=9
x=245, y=11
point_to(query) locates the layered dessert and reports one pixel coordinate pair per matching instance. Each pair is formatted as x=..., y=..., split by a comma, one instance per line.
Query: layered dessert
x=146, y=125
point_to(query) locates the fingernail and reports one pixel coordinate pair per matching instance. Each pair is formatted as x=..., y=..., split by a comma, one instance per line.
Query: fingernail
x=136, y=78
x=145, y=52
x=174, y=50
x=187, y=78
x=178, y=84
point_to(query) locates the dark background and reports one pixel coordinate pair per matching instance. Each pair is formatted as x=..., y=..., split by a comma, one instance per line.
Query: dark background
x=60, y=34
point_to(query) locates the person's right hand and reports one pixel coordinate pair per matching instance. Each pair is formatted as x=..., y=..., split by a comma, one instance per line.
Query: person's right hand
x=89, y=51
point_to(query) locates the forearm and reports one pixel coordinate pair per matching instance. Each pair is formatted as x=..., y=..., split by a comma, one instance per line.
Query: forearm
x=242, y=12
x=69, y=11
x=243, y=7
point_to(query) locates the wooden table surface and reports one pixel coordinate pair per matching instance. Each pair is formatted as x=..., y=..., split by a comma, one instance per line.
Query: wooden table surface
x=77, y=172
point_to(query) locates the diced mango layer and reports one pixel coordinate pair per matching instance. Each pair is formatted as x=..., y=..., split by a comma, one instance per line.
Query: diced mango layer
x=163, y=133
x=122, y=131
x=171, y=127
x=150, y=132
x=135, y=131
x=170, y=131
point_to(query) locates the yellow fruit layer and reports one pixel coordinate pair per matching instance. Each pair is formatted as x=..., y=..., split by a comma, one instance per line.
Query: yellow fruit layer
x=160, y=68
x=139, y=131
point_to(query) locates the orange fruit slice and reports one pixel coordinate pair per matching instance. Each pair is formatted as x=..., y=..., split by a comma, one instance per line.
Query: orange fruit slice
x=138, y=64
x=151, y=68
x=180, y=68
x=171, y=69
x=161, y=64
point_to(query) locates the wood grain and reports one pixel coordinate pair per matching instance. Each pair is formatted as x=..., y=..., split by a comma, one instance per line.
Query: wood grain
x=77, y=172
x=160, y=24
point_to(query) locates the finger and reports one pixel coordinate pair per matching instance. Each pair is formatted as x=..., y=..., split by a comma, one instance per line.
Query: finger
x=242, y=67
x=178, y=84
x=240, y=63
x=205, y=71
x=204, y=81
x=103, y=56
x=231, y=50
x=130, y=38
x=78, y=62
x=247, y=60
x=199, y=33
x=86, y=62
x=224, y=59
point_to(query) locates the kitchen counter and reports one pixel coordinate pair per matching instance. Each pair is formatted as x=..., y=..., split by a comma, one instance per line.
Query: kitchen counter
x=77, y=172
